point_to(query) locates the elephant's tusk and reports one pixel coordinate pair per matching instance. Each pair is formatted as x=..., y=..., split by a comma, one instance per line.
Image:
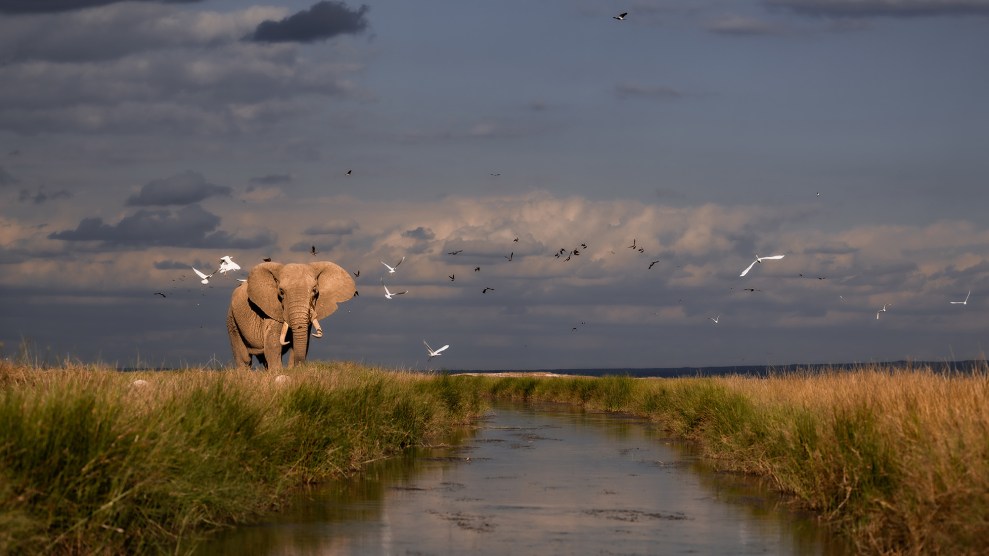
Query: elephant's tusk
x=282, y=339
x=317, y=330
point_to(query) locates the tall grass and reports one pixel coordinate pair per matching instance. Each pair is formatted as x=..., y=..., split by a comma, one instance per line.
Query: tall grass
x=91, y=463
x=898, y=460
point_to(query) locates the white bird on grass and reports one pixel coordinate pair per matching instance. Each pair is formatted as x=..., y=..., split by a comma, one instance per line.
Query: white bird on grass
x=389, y=295
x=759, y=259
x=227, y=264
x=205, y=277
x=391, y=269
x=965, y=302
x=435, y=352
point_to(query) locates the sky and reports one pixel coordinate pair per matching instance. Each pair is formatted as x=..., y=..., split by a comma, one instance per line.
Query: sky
x=139, y=139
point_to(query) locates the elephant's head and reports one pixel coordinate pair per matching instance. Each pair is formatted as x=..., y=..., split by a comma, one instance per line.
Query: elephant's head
x=297, y=295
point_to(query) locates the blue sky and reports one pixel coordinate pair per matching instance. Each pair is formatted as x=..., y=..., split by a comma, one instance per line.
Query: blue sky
x=139, y=139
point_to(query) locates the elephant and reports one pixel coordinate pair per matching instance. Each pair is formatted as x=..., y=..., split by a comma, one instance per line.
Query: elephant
x=278, y=297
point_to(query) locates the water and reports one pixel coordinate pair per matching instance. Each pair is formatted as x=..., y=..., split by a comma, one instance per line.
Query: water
x=544, y=480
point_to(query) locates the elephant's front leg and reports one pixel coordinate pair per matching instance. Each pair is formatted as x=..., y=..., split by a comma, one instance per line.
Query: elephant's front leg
x=273, y=348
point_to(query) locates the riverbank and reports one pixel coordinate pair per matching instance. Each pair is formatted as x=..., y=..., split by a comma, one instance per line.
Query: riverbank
x=97, y=461
x=896, y=459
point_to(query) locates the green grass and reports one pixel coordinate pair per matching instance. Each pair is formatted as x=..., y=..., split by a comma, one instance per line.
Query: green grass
x=91, y=464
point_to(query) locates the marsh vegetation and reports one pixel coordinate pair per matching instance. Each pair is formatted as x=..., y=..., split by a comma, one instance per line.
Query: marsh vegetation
x=90, y=462
x=896, y=459
x=93, y=462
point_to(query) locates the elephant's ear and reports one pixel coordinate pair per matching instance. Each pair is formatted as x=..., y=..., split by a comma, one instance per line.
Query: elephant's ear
x=335, y=286
x=262, y=289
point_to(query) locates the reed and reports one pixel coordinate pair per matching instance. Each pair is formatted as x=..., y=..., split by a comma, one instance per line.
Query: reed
x=896, y=459
x=91, y=463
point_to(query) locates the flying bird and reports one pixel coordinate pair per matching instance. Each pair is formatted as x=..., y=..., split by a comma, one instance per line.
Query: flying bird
x=391, y=269
x=451, y=277
x=266, y=259
x=457, y=252
x=964, y=302
x=883, y=310
x=620, y=16
x=349, y=172
x=516, y=240
x=485, y=290
x=358, y=273
x=652, y=264
x=161, y=294
x=313, y=250
x=759, y=259
x=227, y=264
x=715, y=319
x=510, y=255
x=389, y=295
x=477, y=269
x=204, y=277
x=633, y=244
x=435, y=352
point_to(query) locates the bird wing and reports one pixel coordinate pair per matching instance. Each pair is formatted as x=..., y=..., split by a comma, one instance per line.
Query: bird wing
x=441, y=349
x=748, y=268
x=387, y=266
x=427, y=346
x=386, y=290
x=773, y=257
x=201, y=275
x=399, y=262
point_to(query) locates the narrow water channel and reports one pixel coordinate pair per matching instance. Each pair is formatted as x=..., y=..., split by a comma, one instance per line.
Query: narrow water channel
x=543, y=480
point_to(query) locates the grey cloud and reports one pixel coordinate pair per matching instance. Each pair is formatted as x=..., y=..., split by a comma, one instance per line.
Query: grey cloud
x=51, y=6
x=322, y=21
x=171, y=265
x=6, y=178
x=271, y=179
x=883, y=8
x=337, y=228
x=743, y=26
x=40, y=196
x=190, y=226
x=420, y=233
x=627, y=90
x=231, y=89
x=322, y=245
x=181, y=189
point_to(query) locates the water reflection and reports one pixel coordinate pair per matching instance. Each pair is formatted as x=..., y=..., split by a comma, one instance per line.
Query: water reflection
x=544, y=480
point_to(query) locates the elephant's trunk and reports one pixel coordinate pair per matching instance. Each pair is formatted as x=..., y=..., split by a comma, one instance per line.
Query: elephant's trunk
x=300, y=342
x=299, y=320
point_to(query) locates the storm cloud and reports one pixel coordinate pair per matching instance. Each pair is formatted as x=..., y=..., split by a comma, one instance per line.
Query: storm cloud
x=6, y=178
x=51, y=6
x=181, y=189
x=883, y=8
x=324, y=20
x=190, y=226
x=40, y=196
